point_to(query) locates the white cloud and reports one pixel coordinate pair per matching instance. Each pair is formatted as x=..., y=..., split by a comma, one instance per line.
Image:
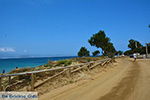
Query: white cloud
x=7, y=50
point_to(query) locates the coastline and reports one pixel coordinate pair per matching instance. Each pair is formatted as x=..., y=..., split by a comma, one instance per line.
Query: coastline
x=10, y=64
x=56, y=63
x=25, y=73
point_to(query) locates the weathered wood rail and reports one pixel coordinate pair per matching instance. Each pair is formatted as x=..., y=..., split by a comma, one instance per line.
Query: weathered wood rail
x=67, y=69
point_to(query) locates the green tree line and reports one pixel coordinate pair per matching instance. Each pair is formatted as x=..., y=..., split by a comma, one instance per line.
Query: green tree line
x=100, y=41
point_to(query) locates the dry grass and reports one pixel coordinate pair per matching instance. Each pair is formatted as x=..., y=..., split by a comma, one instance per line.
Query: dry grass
x=58, y=81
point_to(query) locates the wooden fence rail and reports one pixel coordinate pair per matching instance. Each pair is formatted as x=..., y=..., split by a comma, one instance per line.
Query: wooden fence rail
x=33, y=76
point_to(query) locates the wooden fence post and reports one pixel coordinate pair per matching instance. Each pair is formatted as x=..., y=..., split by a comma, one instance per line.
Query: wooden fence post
x=86, y=68
x=68, y=72
x=32, y=81
x=9, y=80
x=0, y=84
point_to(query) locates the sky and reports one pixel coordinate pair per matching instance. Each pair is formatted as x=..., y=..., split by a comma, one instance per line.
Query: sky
x=62, y=27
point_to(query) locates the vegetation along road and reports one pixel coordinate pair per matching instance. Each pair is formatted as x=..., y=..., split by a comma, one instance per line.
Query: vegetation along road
x=126, y=80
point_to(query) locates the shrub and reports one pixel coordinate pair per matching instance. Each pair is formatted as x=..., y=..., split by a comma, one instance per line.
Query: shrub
x=64, y=62
x=83, y=52
x=48, y=65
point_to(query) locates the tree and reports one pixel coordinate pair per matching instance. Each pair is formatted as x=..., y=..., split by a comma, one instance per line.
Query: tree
x=109, y=48
x=133, y=44
x=119, y=52
x=96, y=53
x=135, y=47
x=128, y=52
x=100, y=40
x=83, y=52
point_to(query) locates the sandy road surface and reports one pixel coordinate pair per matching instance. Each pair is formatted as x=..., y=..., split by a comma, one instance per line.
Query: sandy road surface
x=127, y=80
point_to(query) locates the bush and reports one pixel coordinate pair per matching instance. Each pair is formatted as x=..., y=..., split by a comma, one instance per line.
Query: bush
x=64, y=62
x=96, y=53
x=83, y=52
x=48, y=65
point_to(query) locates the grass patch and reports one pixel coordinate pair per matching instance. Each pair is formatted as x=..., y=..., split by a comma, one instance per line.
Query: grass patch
x=64, y=62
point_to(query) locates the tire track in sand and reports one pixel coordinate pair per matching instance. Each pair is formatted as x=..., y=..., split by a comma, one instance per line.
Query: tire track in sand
x=126, y=86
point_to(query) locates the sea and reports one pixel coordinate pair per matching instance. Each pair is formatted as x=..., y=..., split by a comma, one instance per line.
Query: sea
x=7, y=65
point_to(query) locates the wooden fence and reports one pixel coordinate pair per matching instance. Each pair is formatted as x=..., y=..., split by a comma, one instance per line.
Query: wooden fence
x=88, y=65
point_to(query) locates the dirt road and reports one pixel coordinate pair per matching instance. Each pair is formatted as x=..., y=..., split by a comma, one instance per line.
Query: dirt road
x=125, y=80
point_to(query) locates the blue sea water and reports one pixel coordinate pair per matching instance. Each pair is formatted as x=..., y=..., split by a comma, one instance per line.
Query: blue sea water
x=10, y=64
